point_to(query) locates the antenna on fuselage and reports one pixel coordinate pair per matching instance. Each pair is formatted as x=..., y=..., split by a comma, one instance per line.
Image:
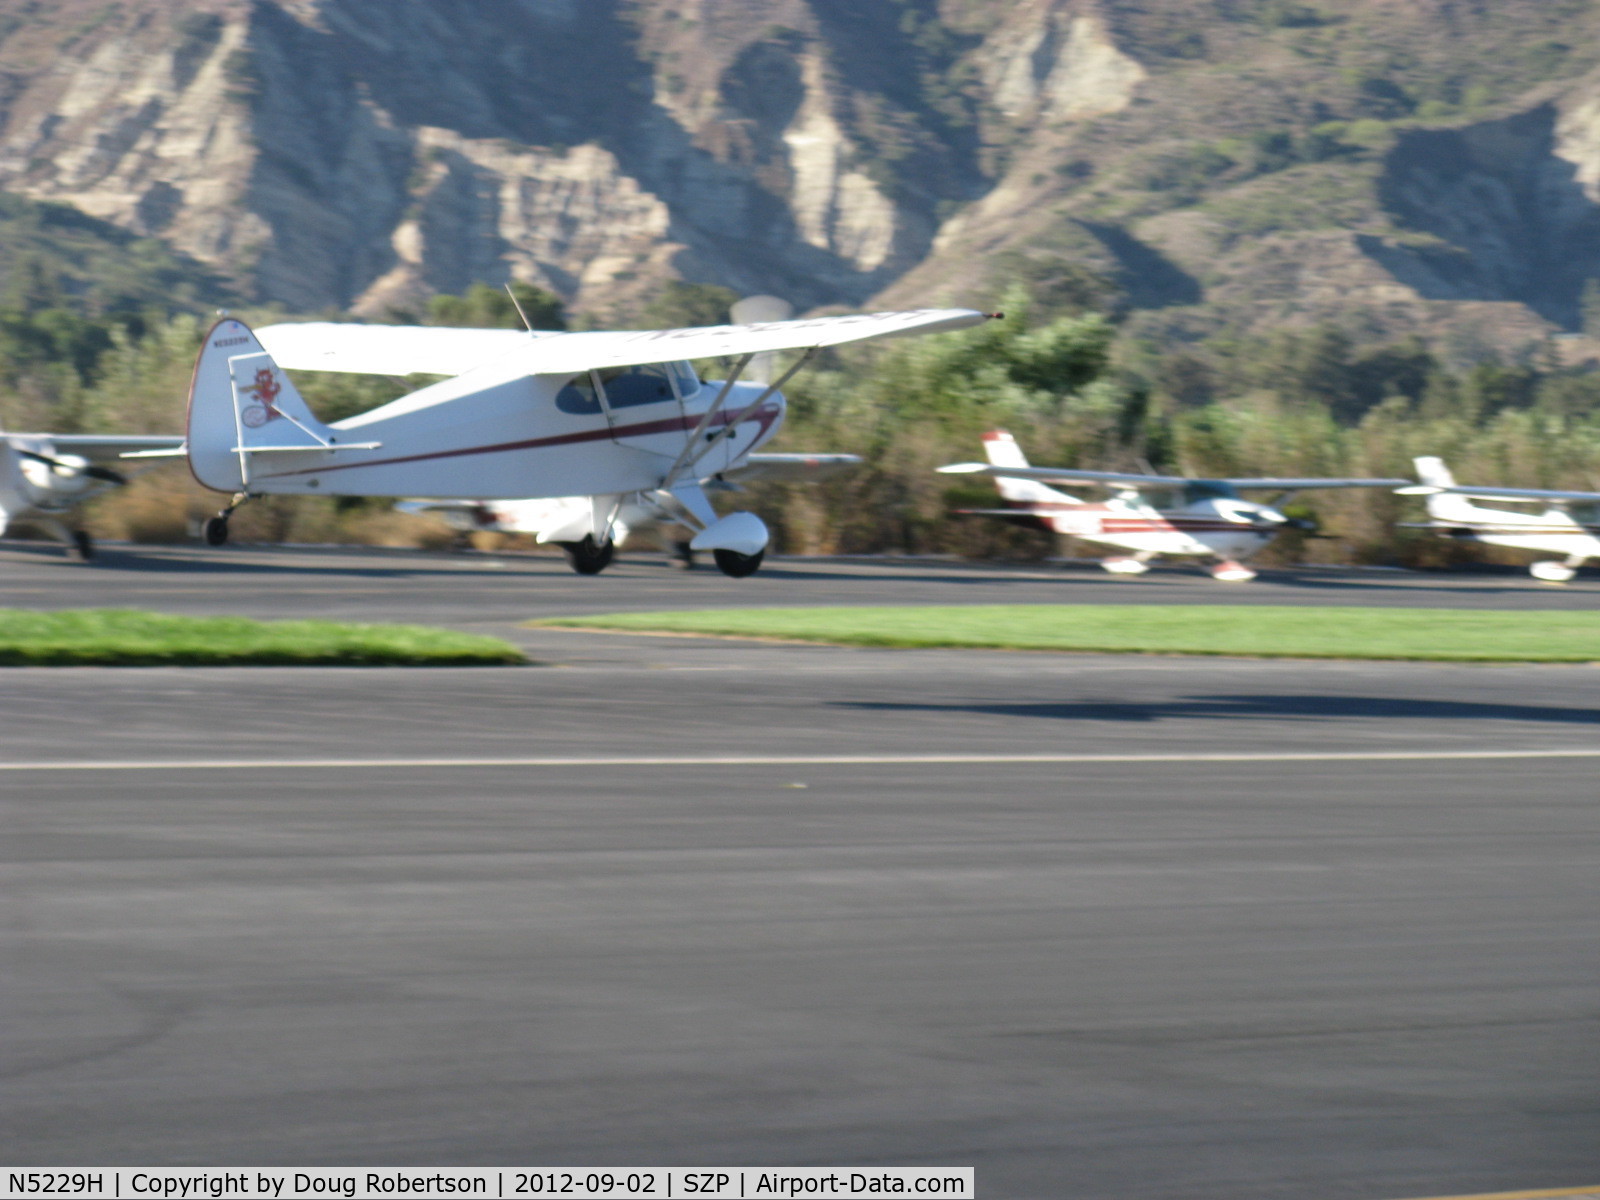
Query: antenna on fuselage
x=526, y=324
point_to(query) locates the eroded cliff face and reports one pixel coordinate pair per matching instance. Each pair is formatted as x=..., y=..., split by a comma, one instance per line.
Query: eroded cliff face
x=340, y=152
x=356, y=153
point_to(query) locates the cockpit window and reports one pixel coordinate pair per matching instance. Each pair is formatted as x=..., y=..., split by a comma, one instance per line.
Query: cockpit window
x=1208, y=489
x=627, y=387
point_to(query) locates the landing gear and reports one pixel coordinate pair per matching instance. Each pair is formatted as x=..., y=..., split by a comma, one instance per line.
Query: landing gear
x=82, y=547
x=586, y=557
x=1554, y=572
x=736, y=565
x=1124, y=566
x=216, y=529
x=681, y=556
x=1227, y=571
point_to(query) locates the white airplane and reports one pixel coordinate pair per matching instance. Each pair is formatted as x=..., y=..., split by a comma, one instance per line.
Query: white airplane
x=44, y=476
x=1208, y=520
x=1569, y=524
x=565, y=520
x=610, y=417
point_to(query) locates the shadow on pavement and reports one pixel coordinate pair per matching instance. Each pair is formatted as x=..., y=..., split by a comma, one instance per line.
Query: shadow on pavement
x=1254, y=707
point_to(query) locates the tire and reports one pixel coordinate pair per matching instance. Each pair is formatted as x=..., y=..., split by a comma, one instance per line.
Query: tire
x=82, y=546
x=216, y=531
x=681, y=556
x=736, y=565
x=586, y=558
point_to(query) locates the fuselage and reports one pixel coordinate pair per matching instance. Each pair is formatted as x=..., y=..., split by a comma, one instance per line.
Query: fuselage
x=1214, y=526
x=1575, y=532
x=493, y=433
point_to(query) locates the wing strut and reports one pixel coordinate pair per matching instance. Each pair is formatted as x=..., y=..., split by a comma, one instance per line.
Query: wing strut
x=680, y=463
x=690, y=457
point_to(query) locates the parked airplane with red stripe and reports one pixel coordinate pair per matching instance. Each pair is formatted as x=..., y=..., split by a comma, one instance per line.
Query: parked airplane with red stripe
x=611, y=418
x=1205, y=518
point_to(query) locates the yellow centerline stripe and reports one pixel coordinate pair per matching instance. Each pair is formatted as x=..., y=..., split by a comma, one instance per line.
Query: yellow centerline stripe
x=1533, y=1195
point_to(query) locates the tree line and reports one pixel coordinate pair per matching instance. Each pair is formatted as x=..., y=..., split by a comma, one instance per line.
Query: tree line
x=1077, y=386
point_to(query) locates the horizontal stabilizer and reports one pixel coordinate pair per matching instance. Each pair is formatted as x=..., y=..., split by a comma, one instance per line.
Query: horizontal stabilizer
x=331, y=448
x=793, y=468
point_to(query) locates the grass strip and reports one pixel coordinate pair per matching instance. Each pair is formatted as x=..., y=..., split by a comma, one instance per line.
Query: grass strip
x=126, y=638
x=1256, y=631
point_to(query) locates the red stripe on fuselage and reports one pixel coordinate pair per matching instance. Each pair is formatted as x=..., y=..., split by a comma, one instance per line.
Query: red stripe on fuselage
x=765, y=417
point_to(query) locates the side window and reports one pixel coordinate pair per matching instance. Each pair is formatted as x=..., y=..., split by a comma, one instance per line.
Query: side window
x=578, y=397
x=688, y=381
x=633, y=386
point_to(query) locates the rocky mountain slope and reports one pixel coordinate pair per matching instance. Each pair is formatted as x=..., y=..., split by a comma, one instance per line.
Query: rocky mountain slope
x=1394, y=165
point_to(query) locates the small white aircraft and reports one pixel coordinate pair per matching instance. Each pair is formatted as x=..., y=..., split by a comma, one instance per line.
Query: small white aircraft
x=607, y=417
x=1569, y=524
x=565, y=520
x=1208, y=519
x=44, y=476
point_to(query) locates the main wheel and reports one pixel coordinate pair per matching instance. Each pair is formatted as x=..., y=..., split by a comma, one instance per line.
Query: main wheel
x=586, y=558
x=731, y=562
x=82, y=546
x=681, y=556
x=216, y=530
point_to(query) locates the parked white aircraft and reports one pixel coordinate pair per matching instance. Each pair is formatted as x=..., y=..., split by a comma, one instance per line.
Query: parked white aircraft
x=44, y=476
x=565, y=520
x=1205, y=519
x=1569, y=524
x=606, y=416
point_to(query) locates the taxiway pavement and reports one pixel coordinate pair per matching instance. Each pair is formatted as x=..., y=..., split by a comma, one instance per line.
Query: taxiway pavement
x=257, y=915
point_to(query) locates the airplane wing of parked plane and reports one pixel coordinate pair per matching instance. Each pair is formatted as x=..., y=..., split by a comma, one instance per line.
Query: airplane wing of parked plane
x=1073, y=477
x=1494, y=493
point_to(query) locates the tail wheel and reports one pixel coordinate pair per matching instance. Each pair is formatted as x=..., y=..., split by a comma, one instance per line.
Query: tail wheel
x=587, y=558
x=732, y=563
x=216, y=530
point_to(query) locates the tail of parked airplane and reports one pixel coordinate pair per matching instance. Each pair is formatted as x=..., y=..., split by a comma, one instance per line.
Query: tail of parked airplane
x=244, y=411
x=1003, y=451
x=1444, y=505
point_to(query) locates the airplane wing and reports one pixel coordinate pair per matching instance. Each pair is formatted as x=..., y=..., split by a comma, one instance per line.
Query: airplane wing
x=793, y=468
x=1066, y=475
x=1296, y=484
x=1130, y=479
x=1491, y=493
x=406, y=350
x=108, y=447
x=388, y=349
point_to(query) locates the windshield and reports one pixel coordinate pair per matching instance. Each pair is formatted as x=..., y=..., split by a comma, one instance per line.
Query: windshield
x=1208, y=489
x=627, y=387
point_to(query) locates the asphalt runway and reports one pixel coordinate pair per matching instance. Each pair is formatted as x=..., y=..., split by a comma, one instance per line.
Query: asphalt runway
x=1255, y=930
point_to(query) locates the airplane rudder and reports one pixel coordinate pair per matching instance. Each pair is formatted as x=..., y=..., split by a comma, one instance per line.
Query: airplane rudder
x=1432, y=472
x=1002, y=449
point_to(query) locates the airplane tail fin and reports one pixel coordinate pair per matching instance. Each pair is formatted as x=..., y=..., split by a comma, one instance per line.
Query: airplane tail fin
x=241, y=405
x=1442, y=506
x=1002, y=451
